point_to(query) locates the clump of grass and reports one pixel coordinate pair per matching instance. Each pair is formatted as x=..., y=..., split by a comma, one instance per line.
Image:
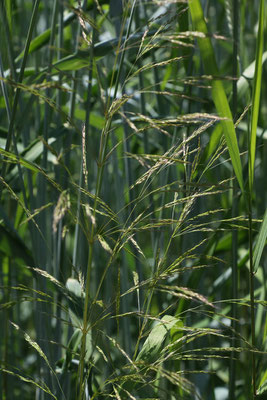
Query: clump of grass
x=133, y=216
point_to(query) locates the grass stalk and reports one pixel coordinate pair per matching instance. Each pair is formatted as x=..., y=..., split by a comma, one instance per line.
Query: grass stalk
x=20, y=78
x=232, y=370
x=252, y=297
x=252, y=154
x=8, y=40
x=71, y=115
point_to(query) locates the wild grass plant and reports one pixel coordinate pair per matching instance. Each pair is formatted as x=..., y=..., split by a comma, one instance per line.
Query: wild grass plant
x=133, y=200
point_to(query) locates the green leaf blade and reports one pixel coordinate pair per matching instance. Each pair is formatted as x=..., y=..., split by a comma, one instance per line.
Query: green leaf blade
x=256, y=94
x=260, y=243
x=218, y=92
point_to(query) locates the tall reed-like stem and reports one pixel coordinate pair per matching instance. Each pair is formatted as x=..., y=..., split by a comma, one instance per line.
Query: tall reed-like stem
x=251, y=161
x=252, y=295
x=232, y=370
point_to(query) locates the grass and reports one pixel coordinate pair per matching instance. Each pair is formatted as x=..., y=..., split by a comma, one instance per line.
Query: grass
x=133, y=200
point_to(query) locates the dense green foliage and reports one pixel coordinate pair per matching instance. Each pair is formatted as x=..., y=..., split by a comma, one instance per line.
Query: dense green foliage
x=133, y=199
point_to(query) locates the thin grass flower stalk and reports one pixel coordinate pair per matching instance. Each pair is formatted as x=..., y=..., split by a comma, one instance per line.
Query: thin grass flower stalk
x=232, y=370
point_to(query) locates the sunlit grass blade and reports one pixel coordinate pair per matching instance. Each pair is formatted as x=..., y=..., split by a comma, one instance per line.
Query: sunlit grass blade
x=242, y=88
x=260, y=244
x=256, y=94
x=218, y=92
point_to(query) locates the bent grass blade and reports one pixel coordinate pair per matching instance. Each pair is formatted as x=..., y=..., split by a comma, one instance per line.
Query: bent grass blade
x=218, y=93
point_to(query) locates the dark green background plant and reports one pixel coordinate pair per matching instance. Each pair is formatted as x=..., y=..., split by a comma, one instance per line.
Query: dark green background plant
x=133, y=199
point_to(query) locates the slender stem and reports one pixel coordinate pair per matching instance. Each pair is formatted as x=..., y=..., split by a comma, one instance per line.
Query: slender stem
x=5, y=93
x=232, y=370
x=8, y=40
x=71, y=114
x=17, y=92
x=252, y=300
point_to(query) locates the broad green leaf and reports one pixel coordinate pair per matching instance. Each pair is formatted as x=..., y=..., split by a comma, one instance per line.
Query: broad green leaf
x=256, y=94
x=218, y=92
x=261, y=240
x=155, y=340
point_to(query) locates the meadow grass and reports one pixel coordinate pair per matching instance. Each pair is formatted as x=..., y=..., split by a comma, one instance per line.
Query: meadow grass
x=133, y=200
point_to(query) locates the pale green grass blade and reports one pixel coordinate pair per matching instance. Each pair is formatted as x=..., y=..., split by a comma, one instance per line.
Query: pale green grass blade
x=260, y=243
x=251, y=161
x=154, y=342
x=248, y=74
x=242, y=87
x=218, y=93
x=256, y=94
